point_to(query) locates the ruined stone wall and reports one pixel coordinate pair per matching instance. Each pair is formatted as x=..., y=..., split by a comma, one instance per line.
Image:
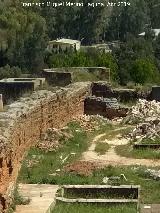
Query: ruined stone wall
x=101, y=89
x=25, y=120
x=65, y=75
x=97, y=106
x=13, y=90
x=58, y=78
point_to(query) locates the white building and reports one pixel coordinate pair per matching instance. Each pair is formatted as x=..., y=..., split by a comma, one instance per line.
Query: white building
x=61, y=45
x=156, y=32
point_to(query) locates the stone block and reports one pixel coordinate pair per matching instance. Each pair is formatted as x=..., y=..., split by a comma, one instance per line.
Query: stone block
x=155, y=94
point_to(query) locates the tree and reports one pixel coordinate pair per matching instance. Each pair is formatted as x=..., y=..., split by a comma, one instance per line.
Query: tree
x=91, y=22
x=154, y=8
x=157, y=51
x=84, y=23
x=157, y=47
x=85, y=59
x=144, y=71
x=25, y=37
x=130, y=51
x=128, y=20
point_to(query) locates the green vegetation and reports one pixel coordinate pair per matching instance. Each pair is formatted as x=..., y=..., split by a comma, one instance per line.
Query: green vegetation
x=79, y=76
x=143, y=71
x=113, y=131
x=23, y=36
x=25, y=32
x=150, y=141
x=85, y=59
x=17, y=200
x=82, y=208
x=101, y=148
x=40, y=174
x=149, y=188
x=136, y=61
x=143, y=153
x=9, y=72
x=48, y=167
x=48, y=162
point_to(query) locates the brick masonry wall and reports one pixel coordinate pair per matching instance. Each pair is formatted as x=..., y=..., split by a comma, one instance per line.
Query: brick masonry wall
x=25, y=120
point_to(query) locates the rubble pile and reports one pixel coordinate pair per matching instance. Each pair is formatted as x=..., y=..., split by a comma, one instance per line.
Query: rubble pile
x=154, y=174
x=54, y=138
x=142, y=111
x=147, y=130
x=91, y=122
x=146, y=114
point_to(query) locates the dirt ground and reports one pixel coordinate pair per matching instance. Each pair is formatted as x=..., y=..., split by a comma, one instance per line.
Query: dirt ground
x=111, y=157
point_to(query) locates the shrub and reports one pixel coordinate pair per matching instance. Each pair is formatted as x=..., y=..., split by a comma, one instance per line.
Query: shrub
x=9, y=72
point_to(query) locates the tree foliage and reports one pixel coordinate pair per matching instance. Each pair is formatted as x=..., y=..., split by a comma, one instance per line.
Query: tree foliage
x=143, y=71
x=131, y=55
x=25, y=31
x=85, y=59
x=24, y=37
x=128, y=20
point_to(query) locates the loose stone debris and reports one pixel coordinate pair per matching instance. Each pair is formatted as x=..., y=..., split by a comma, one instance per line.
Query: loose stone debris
x=154, y=174
x=146, y=114
x=107, y=180
x=54, y=138
x=148, y=130
x=91, y=122
x=143, y=111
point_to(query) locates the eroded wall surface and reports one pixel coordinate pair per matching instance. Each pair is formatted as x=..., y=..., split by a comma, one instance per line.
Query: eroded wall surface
x=25, y=120
x=107, y=108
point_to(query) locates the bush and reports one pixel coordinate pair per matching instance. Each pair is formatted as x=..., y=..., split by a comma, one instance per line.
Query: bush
x=9, y=72
x=143, y=71
x=84, y=59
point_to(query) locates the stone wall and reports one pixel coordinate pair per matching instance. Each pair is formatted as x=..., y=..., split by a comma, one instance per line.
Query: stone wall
x=13, y=88
x=155, y=94
x=56, y=78
x=105, y=107
x=24, y=122
x=103, y=89
x=65, y=75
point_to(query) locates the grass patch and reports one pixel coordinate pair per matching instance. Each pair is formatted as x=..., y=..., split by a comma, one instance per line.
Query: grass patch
x=49, y=167
x=84, y=76
x=149, y=188
x=104, y=128
x=130, y=152
x=87, y=208
x=149, y=141
x=50, y=163
x=102, y=148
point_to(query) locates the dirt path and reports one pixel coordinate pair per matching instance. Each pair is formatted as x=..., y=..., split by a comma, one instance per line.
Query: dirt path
x=41, y=195
x=111, y=157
